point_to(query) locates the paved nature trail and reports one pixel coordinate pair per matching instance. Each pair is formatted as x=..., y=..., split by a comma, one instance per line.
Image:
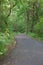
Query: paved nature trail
x=27, y=52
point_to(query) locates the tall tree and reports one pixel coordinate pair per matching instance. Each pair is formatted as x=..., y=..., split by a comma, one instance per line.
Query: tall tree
x=35, y=13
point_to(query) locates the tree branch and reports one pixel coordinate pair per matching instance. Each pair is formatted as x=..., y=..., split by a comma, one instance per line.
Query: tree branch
x=10, y=10
x=9, y=13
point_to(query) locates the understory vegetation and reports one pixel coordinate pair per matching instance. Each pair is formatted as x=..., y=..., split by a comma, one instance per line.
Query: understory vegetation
x=20, y=16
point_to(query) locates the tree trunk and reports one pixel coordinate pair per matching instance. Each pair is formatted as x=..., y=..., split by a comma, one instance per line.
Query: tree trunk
x=27, y=15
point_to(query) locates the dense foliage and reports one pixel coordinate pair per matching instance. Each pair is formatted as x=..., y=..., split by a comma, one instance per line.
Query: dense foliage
x=19, y=16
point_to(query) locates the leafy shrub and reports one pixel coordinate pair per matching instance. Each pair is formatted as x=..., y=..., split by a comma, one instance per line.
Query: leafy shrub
x=33, y=35
x=4, y=39
x=39, y=28
x=2, y=45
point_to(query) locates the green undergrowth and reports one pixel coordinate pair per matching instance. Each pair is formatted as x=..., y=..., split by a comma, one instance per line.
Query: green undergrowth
x=36, y=36
x=5, y=39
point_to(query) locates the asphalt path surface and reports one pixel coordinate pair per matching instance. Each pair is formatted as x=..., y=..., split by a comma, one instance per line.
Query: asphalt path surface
x=27, y=52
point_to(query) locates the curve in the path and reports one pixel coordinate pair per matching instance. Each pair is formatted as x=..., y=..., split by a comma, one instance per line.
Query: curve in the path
x=27, y=52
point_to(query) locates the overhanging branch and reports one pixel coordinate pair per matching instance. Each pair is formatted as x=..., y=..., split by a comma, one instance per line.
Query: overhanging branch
x=10, y=9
